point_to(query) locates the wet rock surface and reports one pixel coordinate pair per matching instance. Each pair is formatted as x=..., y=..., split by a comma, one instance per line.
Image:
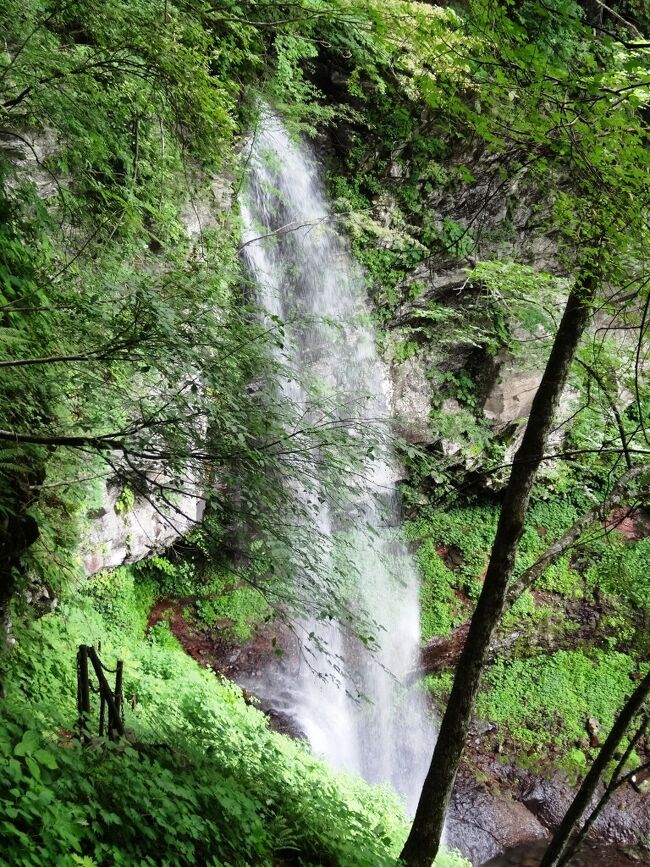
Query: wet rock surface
x=530, y=856
x=504, y=806
x=624, y=822
x=483, y=823
x=503, y=825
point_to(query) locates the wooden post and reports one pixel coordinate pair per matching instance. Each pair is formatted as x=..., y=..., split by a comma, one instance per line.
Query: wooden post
x=119, y=677
x=102, y=713
x=83, y=692
x=102, y=702
x=115, y=727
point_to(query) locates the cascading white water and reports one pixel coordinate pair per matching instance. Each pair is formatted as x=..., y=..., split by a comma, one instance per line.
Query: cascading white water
x=306, y=277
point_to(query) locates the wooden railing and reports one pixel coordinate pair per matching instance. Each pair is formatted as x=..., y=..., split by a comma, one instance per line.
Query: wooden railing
x=109, y=699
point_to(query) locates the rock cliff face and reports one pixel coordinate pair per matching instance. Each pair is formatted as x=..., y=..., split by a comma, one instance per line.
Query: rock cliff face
x=124, y=530
x=117, y=536
x=482, y=824
x=504, y=219
x=411, y=398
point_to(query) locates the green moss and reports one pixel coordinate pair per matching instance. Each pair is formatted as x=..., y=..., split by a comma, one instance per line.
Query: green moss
x=126, y=501
x=439, y=607
x=439, y=685
x=545, y=700
x=229, y=597
x=122, y=603
x=214, y=596
x=622, y=568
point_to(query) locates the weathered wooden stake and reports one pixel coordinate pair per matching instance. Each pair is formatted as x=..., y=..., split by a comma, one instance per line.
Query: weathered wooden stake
x=83, y=693
x=115, y=727
x=119, y=676
x=102, y=713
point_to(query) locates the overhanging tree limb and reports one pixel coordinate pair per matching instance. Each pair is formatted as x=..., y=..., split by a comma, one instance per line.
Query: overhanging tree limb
x=101, y=442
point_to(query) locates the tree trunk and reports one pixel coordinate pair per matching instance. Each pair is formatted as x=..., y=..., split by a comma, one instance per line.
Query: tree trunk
x=423, y=841
x=615, y=782
x=553, y=856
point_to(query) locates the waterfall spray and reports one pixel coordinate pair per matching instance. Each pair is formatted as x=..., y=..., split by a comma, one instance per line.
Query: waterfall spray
x=369, y=721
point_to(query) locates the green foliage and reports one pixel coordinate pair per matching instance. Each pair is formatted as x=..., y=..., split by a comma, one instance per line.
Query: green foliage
x=540, y=701
x=467, y=532
x=560, y=578
x=439, y=685
x=122, y=603
x=545, y=700
x=439, y=606
x=523, y=296
x=103, y=269
x=216, y=786
x=125, y=501
x=622, y=569
x=215, y=596
x=237, y=608
x=172, y=578
x=141, y=332
x=605, y=372
x=470, y=530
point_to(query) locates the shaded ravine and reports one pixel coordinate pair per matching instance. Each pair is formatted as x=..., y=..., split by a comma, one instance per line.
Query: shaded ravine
x=495, y=806
x=367, y=719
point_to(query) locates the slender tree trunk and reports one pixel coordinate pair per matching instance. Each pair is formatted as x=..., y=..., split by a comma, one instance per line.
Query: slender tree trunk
x=554, y=854
x=423, y=841
x=615, y=782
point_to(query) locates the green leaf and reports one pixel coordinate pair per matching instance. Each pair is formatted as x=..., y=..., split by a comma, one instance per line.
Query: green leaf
x=34, y=767
x=30, y=742
x=46, y=759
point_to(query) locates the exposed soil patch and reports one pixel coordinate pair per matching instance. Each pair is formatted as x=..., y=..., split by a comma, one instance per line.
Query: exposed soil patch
x=205, y=646
x=632, y=523
x=442, y=653
x=451, y=556
x=237, y=662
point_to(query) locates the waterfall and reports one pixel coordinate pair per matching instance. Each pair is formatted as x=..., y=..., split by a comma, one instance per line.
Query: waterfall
x=368, y=720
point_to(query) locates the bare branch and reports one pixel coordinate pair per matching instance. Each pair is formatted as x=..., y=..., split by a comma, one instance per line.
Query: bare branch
x=573, y=534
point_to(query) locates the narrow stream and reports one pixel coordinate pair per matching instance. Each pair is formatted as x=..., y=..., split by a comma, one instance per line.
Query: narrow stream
x=353, y=706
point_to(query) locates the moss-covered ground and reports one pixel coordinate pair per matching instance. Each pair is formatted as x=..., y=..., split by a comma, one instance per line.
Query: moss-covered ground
x=577, y=634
